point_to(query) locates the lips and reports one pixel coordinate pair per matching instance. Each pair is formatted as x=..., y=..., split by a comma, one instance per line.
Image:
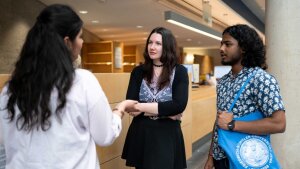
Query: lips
x=222, y=55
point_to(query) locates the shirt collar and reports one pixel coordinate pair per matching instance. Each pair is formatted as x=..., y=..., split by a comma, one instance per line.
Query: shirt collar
x=244, y=71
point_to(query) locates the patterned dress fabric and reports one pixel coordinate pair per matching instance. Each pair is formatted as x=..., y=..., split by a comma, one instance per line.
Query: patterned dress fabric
x=151, y=93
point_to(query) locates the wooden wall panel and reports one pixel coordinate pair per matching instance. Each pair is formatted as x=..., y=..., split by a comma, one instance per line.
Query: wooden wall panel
x=3, y=80
x=114, y=85
x=204, y=112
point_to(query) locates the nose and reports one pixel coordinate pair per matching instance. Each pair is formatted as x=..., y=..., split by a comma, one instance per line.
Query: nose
x=221, y=47
x=152, y=46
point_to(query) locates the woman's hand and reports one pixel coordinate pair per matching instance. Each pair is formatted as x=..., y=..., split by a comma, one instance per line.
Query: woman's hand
x=123, y=106
x=131, y=106
x=134, y=113
x=176, y=117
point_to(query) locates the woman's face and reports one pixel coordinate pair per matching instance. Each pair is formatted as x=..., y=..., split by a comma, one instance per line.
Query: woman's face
x=155, y=47
x=76, y=45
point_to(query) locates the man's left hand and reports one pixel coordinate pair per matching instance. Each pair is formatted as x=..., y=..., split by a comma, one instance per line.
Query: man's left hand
x=223, y=118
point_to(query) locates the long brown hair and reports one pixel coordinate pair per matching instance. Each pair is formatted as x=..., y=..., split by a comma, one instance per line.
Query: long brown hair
x=169, y=57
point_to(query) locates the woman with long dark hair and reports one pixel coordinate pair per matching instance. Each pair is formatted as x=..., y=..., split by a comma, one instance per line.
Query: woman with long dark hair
x=51, y=114
x=154, y=139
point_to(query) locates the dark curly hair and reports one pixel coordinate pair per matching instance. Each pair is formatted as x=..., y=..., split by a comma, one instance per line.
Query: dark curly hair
x=169, y=56
x=251, y=44
x=44, y=64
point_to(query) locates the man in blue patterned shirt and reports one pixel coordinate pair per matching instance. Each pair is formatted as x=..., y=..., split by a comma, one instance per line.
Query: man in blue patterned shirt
x=242, y=48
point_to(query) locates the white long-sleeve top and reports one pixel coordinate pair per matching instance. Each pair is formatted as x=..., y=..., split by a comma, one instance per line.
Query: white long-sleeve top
x=70, y=144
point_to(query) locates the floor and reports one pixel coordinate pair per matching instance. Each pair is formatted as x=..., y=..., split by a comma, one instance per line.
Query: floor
x=199, y=157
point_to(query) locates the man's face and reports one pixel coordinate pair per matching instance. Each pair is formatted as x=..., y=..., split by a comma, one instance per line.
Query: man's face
x=230, y=51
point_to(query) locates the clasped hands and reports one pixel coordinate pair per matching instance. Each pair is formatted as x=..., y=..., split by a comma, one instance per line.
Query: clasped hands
x=223, y=118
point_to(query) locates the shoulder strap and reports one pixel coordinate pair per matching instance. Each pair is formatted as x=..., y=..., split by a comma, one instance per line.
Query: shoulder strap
x=240, y=91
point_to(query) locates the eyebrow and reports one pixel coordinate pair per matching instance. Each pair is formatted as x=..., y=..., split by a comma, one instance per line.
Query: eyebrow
x=225, y=41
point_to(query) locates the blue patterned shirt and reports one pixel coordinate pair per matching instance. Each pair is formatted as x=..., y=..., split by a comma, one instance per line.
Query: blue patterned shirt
x=260, y=94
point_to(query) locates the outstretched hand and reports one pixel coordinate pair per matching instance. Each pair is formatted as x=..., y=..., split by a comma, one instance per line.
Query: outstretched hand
x=132, y=109
x=130, y=105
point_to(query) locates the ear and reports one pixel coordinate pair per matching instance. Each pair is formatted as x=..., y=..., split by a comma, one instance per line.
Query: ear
x=243, y=51
x=68, y=42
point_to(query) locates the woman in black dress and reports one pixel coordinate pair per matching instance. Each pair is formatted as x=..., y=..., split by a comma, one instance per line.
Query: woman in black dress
x=154, y=139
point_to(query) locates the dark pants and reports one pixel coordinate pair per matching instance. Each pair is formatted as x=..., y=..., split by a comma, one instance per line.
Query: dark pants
x=221, y=164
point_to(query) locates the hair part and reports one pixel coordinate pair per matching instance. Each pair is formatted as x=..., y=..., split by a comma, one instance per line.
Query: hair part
x=169, y=57
x=250, y=42
x=44, y=65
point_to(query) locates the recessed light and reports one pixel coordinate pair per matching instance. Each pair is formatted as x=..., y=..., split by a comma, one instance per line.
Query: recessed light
x=83, y=12
x=102, y=1
x=95, y=21
x=139, y=26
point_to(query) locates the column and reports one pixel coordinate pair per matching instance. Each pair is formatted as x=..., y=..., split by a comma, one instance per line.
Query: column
x=283, y=58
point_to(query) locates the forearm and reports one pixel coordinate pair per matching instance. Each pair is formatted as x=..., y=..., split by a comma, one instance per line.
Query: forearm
x=260, y=127
x=148, y=108
x=269, y=125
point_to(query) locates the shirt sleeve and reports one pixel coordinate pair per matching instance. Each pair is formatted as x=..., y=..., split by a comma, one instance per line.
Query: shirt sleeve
x=1, y=136
x=267, y=94
x=180, y=89
x=134, y=85
x=104, y=126
x=3, y=103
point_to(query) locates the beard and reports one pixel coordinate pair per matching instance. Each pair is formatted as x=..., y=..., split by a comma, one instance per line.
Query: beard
x=231, y=61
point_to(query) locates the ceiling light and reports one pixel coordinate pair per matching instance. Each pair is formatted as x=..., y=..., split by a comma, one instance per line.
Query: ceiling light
x=95, y=21
x=102, y=1
x=83, y=12
x=189, y=24
x=139, y=26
